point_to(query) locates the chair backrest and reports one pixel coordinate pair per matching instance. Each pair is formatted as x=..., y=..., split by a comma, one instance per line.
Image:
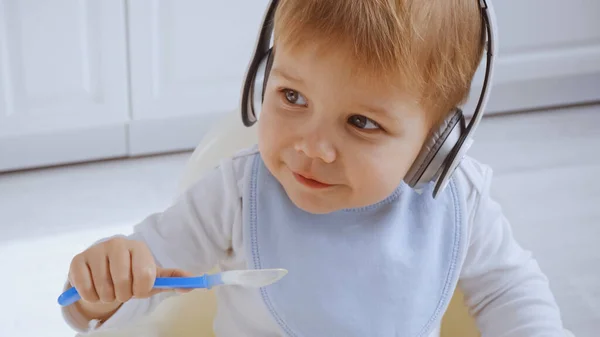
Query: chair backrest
x=225, y=138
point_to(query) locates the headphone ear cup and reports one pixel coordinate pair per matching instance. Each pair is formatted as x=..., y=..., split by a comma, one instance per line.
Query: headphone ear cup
x=434, y=154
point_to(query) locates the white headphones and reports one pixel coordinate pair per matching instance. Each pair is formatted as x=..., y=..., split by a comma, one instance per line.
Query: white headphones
x=442, y=152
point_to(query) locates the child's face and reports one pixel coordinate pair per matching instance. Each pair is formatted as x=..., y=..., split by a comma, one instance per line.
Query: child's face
x=332, y=138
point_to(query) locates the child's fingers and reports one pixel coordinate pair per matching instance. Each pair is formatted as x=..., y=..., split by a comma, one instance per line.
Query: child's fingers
x=143, y=270
x=80, y=277
x=162, y=272
x=99, y=265
x=120, y=271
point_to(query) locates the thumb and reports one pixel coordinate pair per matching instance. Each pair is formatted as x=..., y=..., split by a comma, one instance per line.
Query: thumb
x=172, y=272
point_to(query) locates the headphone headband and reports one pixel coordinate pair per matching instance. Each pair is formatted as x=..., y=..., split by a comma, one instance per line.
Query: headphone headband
x=263, y=46
x=466, y=140
x=448, y=149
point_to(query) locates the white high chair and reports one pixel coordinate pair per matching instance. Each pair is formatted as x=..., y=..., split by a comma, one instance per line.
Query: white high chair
x=192, y=314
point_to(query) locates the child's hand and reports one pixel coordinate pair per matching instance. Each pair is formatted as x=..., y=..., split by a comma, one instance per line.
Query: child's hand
x=117, y=270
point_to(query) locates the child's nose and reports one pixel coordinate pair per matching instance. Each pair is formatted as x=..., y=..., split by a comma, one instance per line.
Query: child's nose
x=315, y=146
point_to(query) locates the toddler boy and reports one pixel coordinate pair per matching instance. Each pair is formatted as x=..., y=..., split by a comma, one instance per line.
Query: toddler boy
x=354, y=91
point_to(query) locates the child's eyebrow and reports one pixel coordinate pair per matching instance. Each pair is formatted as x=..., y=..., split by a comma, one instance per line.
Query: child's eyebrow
x=280, y=73
x=375, y=109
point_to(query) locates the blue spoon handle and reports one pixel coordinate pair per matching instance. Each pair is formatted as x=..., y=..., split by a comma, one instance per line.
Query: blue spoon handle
x=71, y=295
x=182, y=282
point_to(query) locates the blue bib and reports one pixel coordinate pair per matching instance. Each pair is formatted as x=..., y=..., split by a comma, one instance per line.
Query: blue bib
x=389, y=269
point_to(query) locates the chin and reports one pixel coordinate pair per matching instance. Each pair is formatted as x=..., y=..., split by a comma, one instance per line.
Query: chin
x=330, y=203
x=311, y=203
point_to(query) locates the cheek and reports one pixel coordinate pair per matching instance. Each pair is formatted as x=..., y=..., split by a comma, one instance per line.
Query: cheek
x=277, y=121
x=382, y=171
x=378, y=173
x=273, y=131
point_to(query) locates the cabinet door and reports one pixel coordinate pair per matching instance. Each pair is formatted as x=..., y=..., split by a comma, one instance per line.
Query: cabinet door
x=188, y=59
x=63, y=82
x=549, y=55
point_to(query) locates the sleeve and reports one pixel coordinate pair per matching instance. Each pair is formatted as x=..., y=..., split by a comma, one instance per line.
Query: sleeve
x=193, y=234
x=504, y=288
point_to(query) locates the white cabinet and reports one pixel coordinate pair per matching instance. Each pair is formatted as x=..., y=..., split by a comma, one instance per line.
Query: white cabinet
x=188, y=59
x=83, y=80
x=63, y=82
x=549, y=54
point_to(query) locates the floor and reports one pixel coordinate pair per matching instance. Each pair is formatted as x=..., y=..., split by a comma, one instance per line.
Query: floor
x=546, y=178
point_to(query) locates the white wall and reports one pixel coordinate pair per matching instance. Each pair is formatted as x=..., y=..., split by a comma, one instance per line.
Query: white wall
x=549, y=55
x=101, y=79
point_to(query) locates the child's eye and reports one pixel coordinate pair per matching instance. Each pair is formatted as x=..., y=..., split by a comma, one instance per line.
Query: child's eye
x=363, y=122
x=294, y=97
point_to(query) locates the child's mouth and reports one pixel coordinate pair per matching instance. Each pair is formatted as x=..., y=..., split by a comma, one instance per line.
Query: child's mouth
x=310, y=182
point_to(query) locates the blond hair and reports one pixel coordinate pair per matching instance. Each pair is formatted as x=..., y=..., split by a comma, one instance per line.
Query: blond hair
x=433, y=47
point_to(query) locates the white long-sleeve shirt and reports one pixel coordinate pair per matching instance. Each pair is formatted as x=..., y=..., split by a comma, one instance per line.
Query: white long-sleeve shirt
x=507, y=293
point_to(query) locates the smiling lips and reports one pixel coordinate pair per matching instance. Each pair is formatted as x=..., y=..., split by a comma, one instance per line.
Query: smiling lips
x=310, y=182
